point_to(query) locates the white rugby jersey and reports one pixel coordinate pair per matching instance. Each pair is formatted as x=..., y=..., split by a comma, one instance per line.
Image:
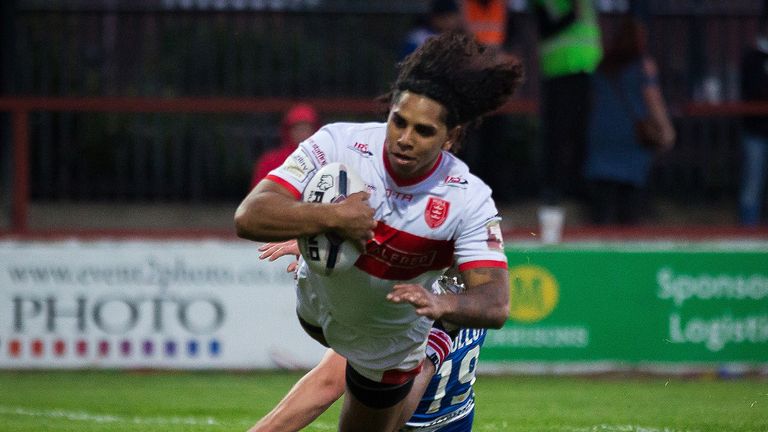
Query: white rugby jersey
x=424, y=225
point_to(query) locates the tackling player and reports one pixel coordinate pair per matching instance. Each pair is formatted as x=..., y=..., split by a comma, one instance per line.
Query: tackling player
x=447, y=405
x=425, y=212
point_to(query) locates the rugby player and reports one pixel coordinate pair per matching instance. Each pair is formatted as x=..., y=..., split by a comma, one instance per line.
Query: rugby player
x=423, y=212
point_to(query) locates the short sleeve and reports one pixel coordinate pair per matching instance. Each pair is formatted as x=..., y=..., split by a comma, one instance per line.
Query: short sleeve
x=296, y=171
x=479, y=242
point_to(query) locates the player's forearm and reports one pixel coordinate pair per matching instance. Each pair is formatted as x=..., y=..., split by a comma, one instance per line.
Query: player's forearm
x=308, y=398
x=271, y=216
x=475, y=310
x=485, y=303
x=292, y=414
x=420, y=384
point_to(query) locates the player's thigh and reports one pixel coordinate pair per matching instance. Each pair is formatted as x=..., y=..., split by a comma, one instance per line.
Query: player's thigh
x=372, y=406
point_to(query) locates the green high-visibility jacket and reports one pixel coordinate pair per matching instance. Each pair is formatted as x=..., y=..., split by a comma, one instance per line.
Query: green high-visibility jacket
x=574, y=48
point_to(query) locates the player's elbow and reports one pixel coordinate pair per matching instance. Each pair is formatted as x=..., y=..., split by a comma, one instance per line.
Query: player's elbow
x=327, y=384
x=241, y=223
x=331, y=390
x=497, y=322
x=498, y=315
x=246, y=227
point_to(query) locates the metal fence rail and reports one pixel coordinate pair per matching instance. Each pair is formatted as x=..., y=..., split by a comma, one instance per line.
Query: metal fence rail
x=203, y=150
x=207, y=151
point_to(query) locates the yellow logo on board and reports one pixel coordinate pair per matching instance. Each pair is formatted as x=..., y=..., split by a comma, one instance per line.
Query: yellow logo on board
x=533, y=293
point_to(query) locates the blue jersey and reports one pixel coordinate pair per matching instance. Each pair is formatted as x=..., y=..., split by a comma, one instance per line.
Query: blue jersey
x=449, y=396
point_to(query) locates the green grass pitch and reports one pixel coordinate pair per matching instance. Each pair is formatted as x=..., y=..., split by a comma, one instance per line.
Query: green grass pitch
x=221, y=401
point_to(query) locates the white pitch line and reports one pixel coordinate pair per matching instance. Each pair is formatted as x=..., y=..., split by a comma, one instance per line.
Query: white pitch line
x=87, y=417
x=596, y=428
x=624, y=428
x=83, y=416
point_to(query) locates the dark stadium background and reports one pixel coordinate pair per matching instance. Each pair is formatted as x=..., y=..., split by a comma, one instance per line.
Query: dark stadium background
x=128, y=129
x=151, y=112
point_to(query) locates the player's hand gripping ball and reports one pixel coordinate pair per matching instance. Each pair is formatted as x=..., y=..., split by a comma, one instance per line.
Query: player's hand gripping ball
x=329, y=252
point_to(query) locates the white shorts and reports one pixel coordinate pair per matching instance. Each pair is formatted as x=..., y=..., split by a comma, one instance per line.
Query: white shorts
x=386, y=354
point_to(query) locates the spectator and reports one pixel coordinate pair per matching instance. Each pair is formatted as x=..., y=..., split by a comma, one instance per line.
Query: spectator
x=367, y=313
x=488, y=151
x=443, y=16
x=298, y=124
x=754, y=87
x=626, y=90
x=569, y=52
x=486, y=20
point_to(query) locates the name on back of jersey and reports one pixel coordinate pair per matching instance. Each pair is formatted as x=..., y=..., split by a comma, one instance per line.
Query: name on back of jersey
x=466, y=337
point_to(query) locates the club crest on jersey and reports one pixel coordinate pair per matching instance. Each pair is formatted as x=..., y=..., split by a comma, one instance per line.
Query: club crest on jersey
x=361, y=149
x=436, y=212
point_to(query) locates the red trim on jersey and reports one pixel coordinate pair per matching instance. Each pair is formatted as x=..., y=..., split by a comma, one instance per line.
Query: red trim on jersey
x=285, y=184
x=408, y=181
x=483, y=263
x=440, y=343
x=400, y=255
x=395, y=376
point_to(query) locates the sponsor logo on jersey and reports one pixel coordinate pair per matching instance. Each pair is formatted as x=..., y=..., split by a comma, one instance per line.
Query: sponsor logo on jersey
x=534, y=293
x=399, y=255
x=400, y=258
x=455, y=181
x=399, y=195
x=298, y=165
x=436, y=212
x=319, y=154
x=361, y=149
x=494, y=240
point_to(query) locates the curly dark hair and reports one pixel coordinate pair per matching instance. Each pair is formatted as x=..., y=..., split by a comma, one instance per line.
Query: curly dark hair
x=461, y=74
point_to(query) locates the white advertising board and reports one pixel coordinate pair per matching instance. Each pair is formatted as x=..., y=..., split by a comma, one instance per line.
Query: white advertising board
x=191, y=304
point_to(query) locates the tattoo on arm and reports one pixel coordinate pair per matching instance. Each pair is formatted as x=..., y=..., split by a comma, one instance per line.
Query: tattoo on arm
x=483, y=275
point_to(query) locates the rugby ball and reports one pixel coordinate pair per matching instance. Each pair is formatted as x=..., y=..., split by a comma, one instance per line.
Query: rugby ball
x=329, y=252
